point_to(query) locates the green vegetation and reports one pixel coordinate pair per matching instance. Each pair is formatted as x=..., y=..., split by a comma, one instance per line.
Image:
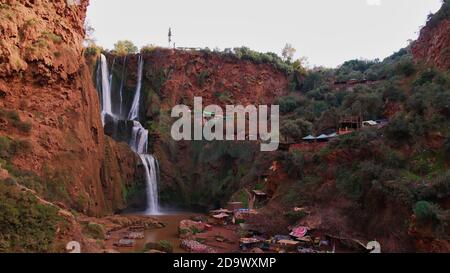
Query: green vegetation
x=13, y=118
x=10, y=148
x=426, y=211
x=26, y=225
x=395, y=162
x=94, y=230
x=93, y=50
x=202, y=77
x=443, y=13
x=148, y=49
x=295, y=216
x=124, y=47
x=164, y=246
x=53, y=37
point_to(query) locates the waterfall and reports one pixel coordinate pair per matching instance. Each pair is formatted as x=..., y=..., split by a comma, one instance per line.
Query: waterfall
x=134, y=112
x=139, y=138
x=139, y=135
x=151, y=172
x=139, y=143
x=122, y=81
x=111, y=74
x=106, y=90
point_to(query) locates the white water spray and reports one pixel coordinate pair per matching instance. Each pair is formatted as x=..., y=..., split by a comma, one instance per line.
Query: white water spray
x=134, y=112
x=151, y=172
x=106, y=89
x=122, y=81
x=139, y=135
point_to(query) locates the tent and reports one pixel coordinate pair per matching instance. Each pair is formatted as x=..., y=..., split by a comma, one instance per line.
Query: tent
x=309, y=138
x=321, y=137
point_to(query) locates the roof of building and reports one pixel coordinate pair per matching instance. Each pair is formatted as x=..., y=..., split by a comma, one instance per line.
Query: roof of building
x=310, y=137
x=221, y=216
x=322, y=136
x=259, y=193
x=370, y=122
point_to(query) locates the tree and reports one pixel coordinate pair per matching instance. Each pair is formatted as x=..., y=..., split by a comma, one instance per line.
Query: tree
x=170, y=36
x=299, y=66
x=295, y=129
x=125, y=47
x=447, y=147
x=287, y=104
x=288, y=52
x=398, y=130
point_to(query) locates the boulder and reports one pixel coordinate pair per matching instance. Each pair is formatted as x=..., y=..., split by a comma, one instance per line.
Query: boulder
x=188, y=228
x=256, y=250
x=135, y=235
x=110, y=251
x=153, y=251
x=162, y=247
x=125, y=243
x=196, y=247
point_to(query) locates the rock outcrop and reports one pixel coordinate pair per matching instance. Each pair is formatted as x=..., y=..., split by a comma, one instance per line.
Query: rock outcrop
x=433, y=44
x=46, y=84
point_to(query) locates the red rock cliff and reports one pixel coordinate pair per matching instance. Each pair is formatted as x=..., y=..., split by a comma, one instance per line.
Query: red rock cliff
x=433, y=45
x=45, y=82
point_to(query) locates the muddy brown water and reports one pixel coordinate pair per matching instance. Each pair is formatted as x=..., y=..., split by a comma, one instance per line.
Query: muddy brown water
x=168, y=233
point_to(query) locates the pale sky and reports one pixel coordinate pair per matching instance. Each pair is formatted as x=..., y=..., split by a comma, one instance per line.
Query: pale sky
x=327, y=32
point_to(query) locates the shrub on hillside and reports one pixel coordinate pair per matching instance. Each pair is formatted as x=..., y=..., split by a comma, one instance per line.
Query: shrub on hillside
x=14, y=119
x=295, y=163
x=295, y=129
x=426, y=76
x=10, y=148
x=94, y=230
x=125, y=47
x=93, y=50
x=147, y=49
x=405, y=67
x=398, y=130
x=441, y=14
x=27, y=225
x=202, y=77
x=426, y=211
x=442, y=103
x=287, y=104
x=349, y=182
x=393, y=93
x=446, y=147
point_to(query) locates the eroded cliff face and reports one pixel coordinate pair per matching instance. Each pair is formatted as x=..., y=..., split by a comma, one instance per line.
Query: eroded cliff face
x=200, y=174
x=433, y=45
x=50, y=105
x=195, y=174
x=217, y=79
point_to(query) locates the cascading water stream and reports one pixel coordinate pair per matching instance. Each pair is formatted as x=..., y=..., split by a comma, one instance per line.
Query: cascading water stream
x=106, y=90
x=139, y=135
x=151, y=168
x=122, y=81
x=134, y=112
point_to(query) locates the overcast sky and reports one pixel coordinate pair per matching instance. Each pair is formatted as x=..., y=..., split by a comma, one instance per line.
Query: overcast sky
x=327, y=32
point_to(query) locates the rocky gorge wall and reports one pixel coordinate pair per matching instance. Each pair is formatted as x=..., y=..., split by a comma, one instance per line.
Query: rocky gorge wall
x=50, y=106
x=433, y=44
x=195, y=174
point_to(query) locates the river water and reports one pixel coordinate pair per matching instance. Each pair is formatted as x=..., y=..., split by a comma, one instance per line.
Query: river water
x=169, y=233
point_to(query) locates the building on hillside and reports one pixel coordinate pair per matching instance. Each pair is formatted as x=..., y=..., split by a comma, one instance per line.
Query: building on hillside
x=350, y=124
